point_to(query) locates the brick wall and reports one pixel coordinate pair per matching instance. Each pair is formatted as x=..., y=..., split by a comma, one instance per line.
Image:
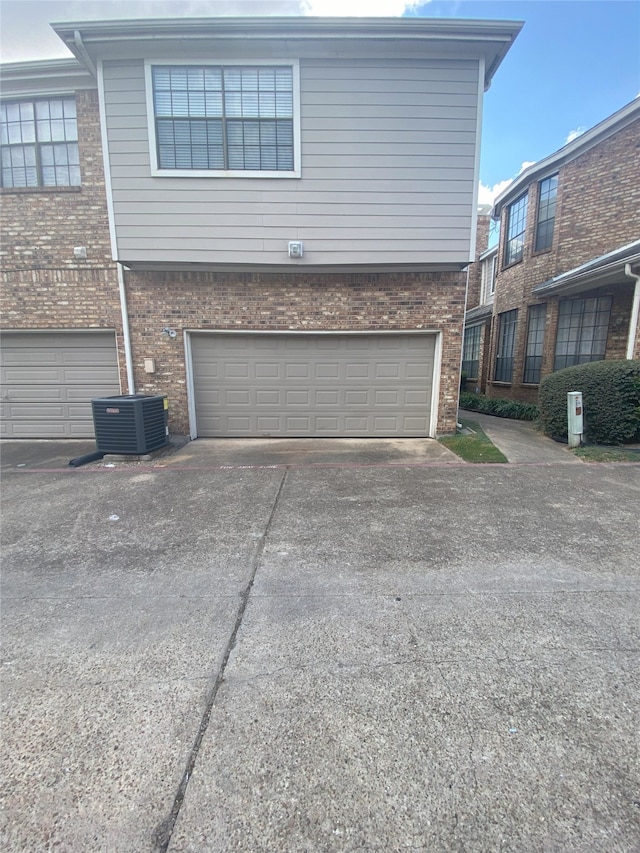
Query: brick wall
x=597, y=210
x=43, y=285
x=288, y=302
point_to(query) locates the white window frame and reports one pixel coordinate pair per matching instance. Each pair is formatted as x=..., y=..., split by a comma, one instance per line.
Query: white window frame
x=488, y=270
x=156, y=171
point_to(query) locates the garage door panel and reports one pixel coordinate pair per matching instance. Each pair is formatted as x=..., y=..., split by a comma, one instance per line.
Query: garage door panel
x=238, y=370
x=357, y=398
x=416, y=398
x=239, y=425
x=327, y=370
x=297, y=371
x=387, y=398
x=297, y=424
x=327, y=398
x=237, y=398
x=357, y=371
x=267, y=425
x=326, y=424
x=306, y=384
x=50, y=379
x=268, y=398
x=415, y=425
x=264, y=370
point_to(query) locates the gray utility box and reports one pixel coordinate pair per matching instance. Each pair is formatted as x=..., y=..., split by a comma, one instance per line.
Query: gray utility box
x=130, y=424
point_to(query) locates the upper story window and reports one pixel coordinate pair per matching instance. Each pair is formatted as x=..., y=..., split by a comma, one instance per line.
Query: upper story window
x=39, y=141
x=222, y=119
x=545, y=220
x=516, y=227
x=488, y=278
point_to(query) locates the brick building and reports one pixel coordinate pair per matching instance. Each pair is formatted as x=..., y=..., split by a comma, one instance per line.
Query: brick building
x=562, y=285
x=278, y=239
x=62, y=339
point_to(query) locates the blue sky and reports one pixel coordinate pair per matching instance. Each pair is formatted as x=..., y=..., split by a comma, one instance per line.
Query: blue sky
x=574, y=63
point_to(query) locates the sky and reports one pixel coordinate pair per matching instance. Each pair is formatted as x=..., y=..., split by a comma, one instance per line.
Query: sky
x=574, y=63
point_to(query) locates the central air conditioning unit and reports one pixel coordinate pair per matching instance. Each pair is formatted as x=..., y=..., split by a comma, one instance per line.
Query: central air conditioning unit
x=130, y=424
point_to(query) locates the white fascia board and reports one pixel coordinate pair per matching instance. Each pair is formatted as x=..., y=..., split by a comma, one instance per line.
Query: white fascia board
x=612, y=263
x=44, y=77
x=488, y=252
x=487, y=38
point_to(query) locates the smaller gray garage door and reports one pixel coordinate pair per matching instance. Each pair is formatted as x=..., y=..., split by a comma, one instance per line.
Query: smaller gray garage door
x=49, y=378
x=299, y=385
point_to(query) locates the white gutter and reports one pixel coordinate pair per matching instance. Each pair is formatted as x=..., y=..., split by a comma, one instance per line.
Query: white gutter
x=635, y=312
x=131, y=388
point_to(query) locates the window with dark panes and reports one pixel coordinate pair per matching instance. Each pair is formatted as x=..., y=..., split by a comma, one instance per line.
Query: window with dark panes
x=471, y=351
x=546, y=217
x=535, y=344
x=488, y=278
x=583, y=325
x=39, y=143
x=224, y=117
x=516, y=227
x=506, y=345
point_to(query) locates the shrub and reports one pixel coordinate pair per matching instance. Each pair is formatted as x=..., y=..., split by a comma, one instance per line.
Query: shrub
x=498, y=407
x=610, y=396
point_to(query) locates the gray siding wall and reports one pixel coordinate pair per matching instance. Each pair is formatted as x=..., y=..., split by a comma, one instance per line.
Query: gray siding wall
x=388, y=155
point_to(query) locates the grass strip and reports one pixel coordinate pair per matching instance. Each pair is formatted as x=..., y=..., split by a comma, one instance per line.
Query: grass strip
x=607, y=454
x=476, y=447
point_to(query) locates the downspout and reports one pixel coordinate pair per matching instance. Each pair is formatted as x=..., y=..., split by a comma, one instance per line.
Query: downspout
x=635, y=312
x=82, y=50
x=125, y=329
x=122, y=291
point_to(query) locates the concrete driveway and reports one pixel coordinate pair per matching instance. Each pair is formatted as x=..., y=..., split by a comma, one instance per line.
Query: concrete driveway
x=369, y=657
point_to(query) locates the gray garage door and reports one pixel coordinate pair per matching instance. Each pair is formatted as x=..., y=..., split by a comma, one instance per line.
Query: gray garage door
x=312, y=385
x=49, y=378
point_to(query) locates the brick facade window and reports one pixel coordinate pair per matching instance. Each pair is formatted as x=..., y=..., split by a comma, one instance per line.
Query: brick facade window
x=507, y=323
x=516, y=227
x=488, y=278
x=39, y=141
x=471, y=351
x=546, y=216
x=224, y=118
x=535, y=344
x=583, y=325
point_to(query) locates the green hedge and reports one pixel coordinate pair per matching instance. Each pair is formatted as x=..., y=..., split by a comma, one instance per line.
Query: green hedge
x=610, y=396
x=500, y=408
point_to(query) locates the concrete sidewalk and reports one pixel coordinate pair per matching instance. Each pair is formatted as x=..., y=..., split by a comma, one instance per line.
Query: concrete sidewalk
x=367, y=658
x=520, y=441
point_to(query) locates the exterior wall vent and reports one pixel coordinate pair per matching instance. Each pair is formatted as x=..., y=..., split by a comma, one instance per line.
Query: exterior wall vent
x=130, y=424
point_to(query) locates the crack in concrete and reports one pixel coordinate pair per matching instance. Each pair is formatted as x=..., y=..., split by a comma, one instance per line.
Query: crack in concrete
x=164, y=831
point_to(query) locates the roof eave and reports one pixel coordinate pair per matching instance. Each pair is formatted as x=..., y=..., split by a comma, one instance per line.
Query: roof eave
x=580, y=279
x=494, y=37
x=23, y=77
x=612, y=124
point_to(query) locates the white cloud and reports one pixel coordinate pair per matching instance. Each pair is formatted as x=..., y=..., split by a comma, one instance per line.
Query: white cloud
x=487, y=195
x=359, y=8
x=574, y=134
x=525, y=165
